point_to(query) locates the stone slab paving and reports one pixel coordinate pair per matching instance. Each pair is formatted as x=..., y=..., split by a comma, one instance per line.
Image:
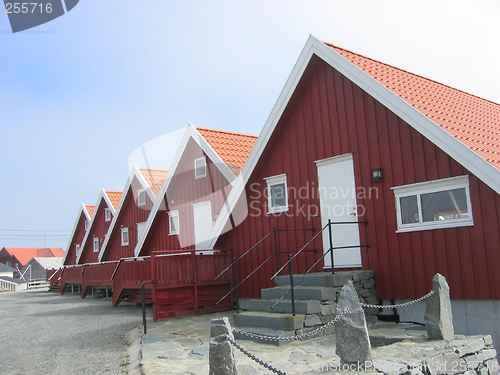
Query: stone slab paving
x=180, y=346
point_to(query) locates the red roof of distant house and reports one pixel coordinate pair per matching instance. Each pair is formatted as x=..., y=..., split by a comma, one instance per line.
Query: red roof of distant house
x=472, y=120
x=90, y=209
x=233, y=148
x=154, y=177
x=114, y=197
x=25, y=254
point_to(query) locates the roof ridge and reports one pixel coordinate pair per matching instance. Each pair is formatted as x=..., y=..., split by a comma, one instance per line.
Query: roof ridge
x=408, y=72
x=226, y=131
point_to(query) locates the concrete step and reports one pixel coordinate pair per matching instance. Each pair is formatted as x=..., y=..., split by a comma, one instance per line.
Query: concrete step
x=301, y=293
x=326, y=279
x=285, y=306
x=266, y=332
x=280, y=321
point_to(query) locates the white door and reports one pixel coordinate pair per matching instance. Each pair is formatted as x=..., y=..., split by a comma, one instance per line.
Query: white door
x=202, y=213
x=337, y=193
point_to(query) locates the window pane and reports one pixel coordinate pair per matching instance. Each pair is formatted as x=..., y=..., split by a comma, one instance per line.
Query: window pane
x=278, y=195
x=409, y=209
x=173, y=224
x=444, y=205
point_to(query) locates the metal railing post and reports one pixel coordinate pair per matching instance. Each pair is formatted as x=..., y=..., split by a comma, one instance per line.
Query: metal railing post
x=235, y=278
x=143, y=295
x=276, y=254
x=331, y=244
x=292, y=292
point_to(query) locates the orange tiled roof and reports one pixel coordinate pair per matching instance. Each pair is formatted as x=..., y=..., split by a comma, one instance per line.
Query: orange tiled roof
x=90, y=209
x=154, y=177
x=25, y=254
x=114, y=197
x=472, y=120
x=233, y=148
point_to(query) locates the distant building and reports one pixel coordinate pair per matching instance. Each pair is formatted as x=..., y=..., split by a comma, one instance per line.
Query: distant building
x=18, y=257
x=36, y=268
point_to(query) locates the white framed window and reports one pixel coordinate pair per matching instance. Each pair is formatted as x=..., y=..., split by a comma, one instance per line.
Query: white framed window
x=173, y=223
x=277, y=194
x=124, y=232
x=96, y=244
x=200, y=168
x=141, y=197
x=77, y=249
x=433, y=204
x=107, y=214
x=87, y=225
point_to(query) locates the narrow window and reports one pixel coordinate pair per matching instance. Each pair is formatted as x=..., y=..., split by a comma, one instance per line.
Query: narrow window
x=96, y=244
x=173, y=222
x=277, y=194
x=77, y=249
x=141, y=197
x=107, y=214
x=434, y=204
x=124, y=236
x=200, y=168
x=87, y=225
x=140, y=229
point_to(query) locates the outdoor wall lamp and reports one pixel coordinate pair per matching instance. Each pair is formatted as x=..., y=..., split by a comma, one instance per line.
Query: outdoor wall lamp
x=377, y=175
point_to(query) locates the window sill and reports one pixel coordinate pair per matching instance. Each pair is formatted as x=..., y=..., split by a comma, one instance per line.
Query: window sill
x=421, y=227
x=278, y=210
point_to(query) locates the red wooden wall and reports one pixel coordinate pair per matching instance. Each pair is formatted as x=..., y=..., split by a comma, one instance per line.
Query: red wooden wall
x=183, y=191
x=129, y=215
x=328, y=115
x=78, y=236
x=98, y=228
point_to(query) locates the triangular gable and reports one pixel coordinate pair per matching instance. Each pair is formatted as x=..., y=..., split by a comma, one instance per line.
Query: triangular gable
x=191, y=133
x=458, y=150
x=85, y=210
x=149, y=180
x=111, y=198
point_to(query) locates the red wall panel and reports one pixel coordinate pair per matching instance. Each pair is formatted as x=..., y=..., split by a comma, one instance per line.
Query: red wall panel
x=328, y=115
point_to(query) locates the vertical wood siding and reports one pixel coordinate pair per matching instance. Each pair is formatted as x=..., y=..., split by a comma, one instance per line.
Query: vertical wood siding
x=327, y=116
x=78, y=236
x=183, y=191
x=128, y=217
x=99, y=228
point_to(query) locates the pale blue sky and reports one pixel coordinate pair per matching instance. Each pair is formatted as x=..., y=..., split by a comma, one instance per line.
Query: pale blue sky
x=79, y=94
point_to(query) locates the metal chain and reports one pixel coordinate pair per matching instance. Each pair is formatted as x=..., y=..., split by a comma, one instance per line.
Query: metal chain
x=291, y=338
x=254, y=358
x=366, y=305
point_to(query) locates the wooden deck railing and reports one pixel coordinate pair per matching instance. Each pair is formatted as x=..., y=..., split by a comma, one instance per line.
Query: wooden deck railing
x=70, y=275
x=128, y=274
x=184, y=282
x=97, y=274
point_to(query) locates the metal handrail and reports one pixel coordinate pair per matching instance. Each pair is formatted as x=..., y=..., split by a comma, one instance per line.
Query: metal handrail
x=329, y=251
x=275, y=253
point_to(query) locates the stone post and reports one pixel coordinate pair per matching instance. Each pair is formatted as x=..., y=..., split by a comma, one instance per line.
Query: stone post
x=438, y=315
x=221, y=355
x=352, y=340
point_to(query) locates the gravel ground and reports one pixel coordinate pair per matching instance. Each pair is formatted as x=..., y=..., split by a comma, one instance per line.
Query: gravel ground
x=49, y=333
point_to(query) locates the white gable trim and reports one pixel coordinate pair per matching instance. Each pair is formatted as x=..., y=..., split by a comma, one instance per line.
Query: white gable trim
x=102, y=196
x=135, y=172
x=441, y=138
x=190, y=133
x=83, y=209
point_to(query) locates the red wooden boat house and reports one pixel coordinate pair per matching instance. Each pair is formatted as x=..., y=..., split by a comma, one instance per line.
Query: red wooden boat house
x=380, y=157
x=403, y=171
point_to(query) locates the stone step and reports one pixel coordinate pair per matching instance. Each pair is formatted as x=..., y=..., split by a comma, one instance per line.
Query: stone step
x=326, y=279
x=285, y=322
x=285, y=306
x=301, y=293
x=266, y=332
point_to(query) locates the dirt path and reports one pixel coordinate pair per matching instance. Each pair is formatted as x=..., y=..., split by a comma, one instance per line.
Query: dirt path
x=46, y=333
